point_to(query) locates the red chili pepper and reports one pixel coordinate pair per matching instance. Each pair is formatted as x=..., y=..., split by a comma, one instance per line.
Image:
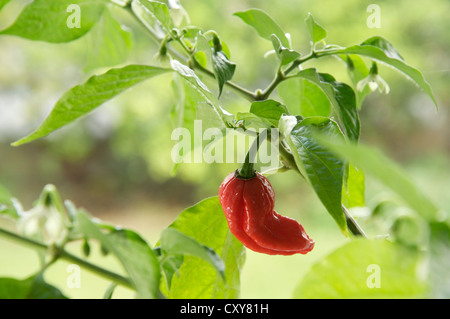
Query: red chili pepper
x=248, y=204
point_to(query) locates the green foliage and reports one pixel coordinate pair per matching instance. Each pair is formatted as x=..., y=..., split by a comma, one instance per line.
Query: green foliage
x=318, y=165
x=203, y=91
x=341, y=97
x=84, y=98
x=318, y=118
x=223, y=68
x=174, y=242
x=264, y=25
x=353, y=192
x=33, y=287
x=3, y=3
x=381, y=50
x=263, y=114
x=365, y=269
x=158, y=13
x=357, y=71
x=111, y=43
x=439, y=248
x=131, y=250
x=205, y=278
x=380, y=167
x=49, y=20
x=316, y=31
x=6, y=204
x=197, y=248
x=285, y=54
x=303, y=97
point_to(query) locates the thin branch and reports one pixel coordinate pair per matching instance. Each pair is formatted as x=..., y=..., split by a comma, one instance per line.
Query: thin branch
x=237, y=88
x=299, y=61
x=282, y=75
x=63, y=254
x=353, y=226
x=264, y=95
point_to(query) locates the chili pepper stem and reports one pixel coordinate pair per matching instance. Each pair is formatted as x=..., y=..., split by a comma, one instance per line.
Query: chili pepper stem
x=246, y=171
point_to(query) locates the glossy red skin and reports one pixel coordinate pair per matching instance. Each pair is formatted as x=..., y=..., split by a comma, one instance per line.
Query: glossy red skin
x=248, y=205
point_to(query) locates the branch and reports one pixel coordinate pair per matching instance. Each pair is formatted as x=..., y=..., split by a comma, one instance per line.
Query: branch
x=195, y=65
x=237, y=88
x=353, y=226
x=282, y=75
x=63, y=254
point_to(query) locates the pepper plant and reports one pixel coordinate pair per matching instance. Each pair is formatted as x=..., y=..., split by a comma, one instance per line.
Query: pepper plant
x=317, y=121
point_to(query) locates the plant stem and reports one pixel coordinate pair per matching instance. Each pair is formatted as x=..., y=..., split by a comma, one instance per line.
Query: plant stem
x=282, y=75
x=237, y=88
x=264, y=95
x=246, y=171
x=63, y=254
x=244, y=92
x=352, y=225
x=300, y=61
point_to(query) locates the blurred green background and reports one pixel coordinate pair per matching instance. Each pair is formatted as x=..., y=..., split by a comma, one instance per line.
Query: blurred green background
x=116, y=162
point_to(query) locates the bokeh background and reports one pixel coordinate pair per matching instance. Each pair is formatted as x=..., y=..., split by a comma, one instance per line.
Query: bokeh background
x=116, y=162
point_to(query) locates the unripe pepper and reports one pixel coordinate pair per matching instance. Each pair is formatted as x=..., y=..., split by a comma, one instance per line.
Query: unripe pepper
x=248, y=204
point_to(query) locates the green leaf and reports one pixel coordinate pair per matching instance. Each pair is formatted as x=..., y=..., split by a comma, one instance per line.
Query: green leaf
x=169, y=267
x=357, y=70
x=217, y=53
x=202, y=43
x=6, y=204
x=205, y=222
x=33, y=287
x=190, y=106
x=285, y=55
x=252, y=121
x=318, y=164
x=3, y=3
x=375, y=163
x=342, y=98
x=191, y=32
x=365, y=269
x=155, y=15
x=387, y=56
x=353, y=193
x=56, y=20
x=347, y=112
x=263, y=114
x=174, y=242
x=178, y=13
x=316, y=31
x=110, y=43
x=439, y=249
x=136, y=257
x=223, y=68
x=207, y=96
x=184, y=111
x=109, y=291
x=84, y=98
x=303, y=97
x=384, y=45
x=264, y=24
x=269, y=110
